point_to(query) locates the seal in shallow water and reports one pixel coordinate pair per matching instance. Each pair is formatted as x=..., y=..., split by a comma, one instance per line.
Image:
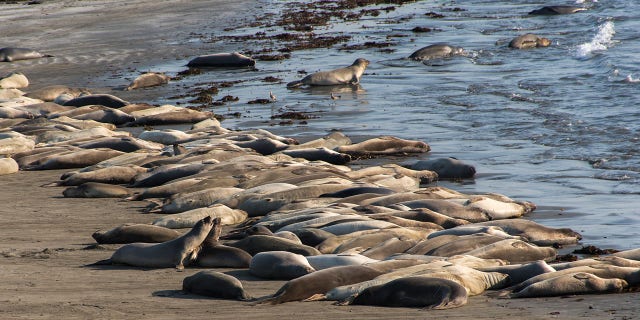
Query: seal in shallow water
x=346, y=75
x=174, y=253
x=10, y=54
x=436, y=51
x=553, y=10
x=228, y=60
x=529, y=40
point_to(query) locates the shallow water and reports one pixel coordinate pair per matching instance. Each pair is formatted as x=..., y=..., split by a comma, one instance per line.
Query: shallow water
x=557, y=126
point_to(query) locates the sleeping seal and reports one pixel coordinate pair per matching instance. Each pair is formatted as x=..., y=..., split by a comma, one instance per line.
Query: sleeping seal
x=346, y=75
x=234, y=59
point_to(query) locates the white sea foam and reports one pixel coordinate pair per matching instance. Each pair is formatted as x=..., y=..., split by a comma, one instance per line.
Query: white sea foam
x=631, y=79
x=600, y=42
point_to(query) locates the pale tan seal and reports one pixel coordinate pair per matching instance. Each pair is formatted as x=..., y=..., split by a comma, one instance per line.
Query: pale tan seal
x=14, y=80
x=573, y=283
x=346, y=75
x=529, y=40
x=279, y=265
x=136, y=232
x=149, y=79
x=174, y=253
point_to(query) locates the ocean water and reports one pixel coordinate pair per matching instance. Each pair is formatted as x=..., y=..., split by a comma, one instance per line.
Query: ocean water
x=558, y=126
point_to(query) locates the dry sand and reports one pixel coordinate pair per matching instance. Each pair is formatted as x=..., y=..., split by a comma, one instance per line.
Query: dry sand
x=46, y=239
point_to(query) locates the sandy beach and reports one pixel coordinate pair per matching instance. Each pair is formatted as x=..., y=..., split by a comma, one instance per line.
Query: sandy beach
x=46, y=241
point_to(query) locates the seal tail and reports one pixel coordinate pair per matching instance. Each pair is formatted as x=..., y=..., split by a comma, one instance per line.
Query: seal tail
x=294, y=84
x=104, y=262
x=270, y=299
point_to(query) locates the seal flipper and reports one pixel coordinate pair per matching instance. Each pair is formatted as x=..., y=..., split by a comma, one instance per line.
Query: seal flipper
x=294, y=84
x=354, y=80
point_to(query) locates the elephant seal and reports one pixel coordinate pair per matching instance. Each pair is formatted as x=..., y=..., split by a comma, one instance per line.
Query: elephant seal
x=325, y=261
x=8, y=166
x=149, y=79
x=446, y=168
x=279, y=265
x=415, y=292
x=260, y=243
x=553, y=10
x=521, y=272
x=572, y=283
x=10, y=54
x=529, y=40
x=214, y=254
x=135, y=232
x=215, y=284
x=174, y=253
x=14, y=80
x=96, y=190
x=385, y=145
x=228, y=60
x=346, y=75
x=436, y=51
x=320, y=282
x=106, y=100
x=50, y=93
x=321, y=153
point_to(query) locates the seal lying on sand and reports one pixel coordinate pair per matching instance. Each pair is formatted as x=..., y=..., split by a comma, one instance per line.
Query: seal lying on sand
x=10, y=54
x=214, y=284
x=174, y=253
x=149, y=79
x=420, y=292
x=529, y=40
x=222, y=60
x=347, y=75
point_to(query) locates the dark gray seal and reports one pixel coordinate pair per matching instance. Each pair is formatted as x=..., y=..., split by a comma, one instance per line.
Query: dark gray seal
x=106, y=100
x=215, y=284
x=446, y=168
x=529, y=40
x=436, y=51
x=228, y=60
x=415, y=292
x=10, y=54
x=553, y=10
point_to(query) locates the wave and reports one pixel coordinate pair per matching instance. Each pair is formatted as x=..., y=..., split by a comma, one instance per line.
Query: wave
x=600, y=42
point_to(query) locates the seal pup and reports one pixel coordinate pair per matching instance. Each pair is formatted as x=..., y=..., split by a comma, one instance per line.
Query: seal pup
x=415, y=292
x=149, y=79
x=529, y=40
x=346, y=75
x=174, y=253
x=215, y=284
x=228, y=60
x=553, y=10
x=10, y=54
x=436, y=51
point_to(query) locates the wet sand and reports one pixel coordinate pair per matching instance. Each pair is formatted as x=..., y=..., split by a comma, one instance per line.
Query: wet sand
x=46, y=241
